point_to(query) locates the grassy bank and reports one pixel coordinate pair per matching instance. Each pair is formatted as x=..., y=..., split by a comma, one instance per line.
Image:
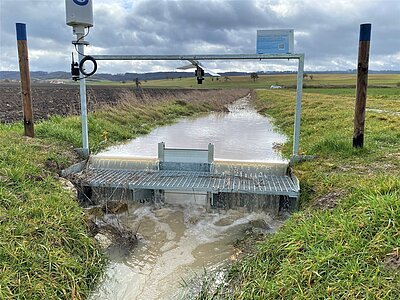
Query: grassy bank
x=45, y=250
x=344, y=243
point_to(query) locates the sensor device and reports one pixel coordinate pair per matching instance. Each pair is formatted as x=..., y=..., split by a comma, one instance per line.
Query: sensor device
x=79, y=13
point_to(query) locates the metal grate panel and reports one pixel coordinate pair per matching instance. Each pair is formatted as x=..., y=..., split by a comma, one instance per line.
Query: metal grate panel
x=255, y=183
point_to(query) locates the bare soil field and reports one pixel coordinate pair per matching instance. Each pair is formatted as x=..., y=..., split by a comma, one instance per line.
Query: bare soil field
x=57, y=99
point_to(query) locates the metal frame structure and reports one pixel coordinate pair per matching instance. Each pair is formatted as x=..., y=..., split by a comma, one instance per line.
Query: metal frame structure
x=299, y=88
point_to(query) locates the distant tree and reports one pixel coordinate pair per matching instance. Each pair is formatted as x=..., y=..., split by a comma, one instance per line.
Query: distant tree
x=311, y=77
x=137, y=82
x=254, y=76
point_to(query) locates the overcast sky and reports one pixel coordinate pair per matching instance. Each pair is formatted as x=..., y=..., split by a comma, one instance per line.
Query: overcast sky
x=325, y=30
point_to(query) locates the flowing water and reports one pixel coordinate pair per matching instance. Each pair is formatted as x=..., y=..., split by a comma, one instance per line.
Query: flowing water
x=241, y=134
x=176, y=243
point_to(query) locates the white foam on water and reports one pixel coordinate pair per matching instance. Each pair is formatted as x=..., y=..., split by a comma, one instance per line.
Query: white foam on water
x=176, y=243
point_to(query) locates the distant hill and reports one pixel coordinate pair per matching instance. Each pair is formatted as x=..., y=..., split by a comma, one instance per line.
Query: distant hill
x=42, y=75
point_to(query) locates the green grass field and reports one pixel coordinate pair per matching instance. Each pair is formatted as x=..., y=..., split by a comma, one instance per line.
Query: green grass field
x=373, y=92
x=265, y=81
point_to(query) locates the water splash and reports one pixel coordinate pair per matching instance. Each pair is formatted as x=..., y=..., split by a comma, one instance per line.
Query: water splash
x=176, y=243
x=120, y=162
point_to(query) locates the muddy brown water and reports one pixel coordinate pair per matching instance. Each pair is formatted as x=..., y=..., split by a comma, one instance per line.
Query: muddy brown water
x=178, y=243
x=241, y=134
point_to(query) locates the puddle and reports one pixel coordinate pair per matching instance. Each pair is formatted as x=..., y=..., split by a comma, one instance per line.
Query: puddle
x=382, y=111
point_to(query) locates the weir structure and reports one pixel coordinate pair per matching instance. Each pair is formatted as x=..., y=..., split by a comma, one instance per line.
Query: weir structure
x=182, y=176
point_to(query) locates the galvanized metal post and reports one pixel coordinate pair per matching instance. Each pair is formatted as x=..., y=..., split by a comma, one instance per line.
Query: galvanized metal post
x=210, y=153
x=82, y=93
x=161, y=148
x=297, y=118
x=25, y=79
x=362, y=84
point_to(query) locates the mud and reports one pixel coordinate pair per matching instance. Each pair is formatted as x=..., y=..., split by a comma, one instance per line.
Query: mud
x=392, y=259
x=328, y=201
x=106, y=229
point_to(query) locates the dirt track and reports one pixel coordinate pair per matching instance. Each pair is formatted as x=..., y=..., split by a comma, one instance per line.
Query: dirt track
x=58, y=99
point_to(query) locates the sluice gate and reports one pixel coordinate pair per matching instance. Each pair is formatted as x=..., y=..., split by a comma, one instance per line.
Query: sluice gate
x=182, y=176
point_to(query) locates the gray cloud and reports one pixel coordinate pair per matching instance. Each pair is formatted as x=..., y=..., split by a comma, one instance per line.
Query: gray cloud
x=326, y=31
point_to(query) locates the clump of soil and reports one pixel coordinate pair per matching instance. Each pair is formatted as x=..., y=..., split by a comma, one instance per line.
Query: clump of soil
x=52, y=166
x=328, y=201
x=114, y=207
x=392, y=260
x=103, y=225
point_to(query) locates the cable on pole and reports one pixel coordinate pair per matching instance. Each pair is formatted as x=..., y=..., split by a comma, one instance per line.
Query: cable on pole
x=82, y=62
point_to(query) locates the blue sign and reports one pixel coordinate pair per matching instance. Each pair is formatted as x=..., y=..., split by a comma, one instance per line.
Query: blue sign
x=81, y=2
x=21, y=31
x=274, y=41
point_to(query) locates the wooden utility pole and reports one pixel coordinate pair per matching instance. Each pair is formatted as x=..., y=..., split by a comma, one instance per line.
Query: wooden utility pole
x=25, y=79
x=362, y=83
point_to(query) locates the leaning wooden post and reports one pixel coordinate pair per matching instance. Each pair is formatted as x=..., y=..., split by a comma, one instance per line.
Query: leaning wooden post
x=25, y=79
x=362, y=83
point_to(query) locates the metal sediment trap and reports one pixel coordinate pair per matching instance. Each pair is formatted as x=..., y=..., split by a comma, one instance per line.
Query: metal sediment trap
x=188, y=176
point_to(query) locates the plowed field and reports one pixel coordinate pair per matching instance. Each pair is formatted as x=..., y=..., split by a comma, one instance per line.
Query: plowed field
x=60, y=99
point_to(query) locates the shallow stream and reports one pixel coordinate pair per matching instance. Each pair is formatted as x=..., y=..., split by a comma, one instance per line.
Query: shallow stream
x=241, y=134
x=176, y=243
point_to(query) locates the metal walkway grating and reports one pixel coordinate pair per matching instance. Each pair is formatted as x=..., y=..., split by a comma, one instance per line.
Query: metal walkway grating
x=255, y=183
